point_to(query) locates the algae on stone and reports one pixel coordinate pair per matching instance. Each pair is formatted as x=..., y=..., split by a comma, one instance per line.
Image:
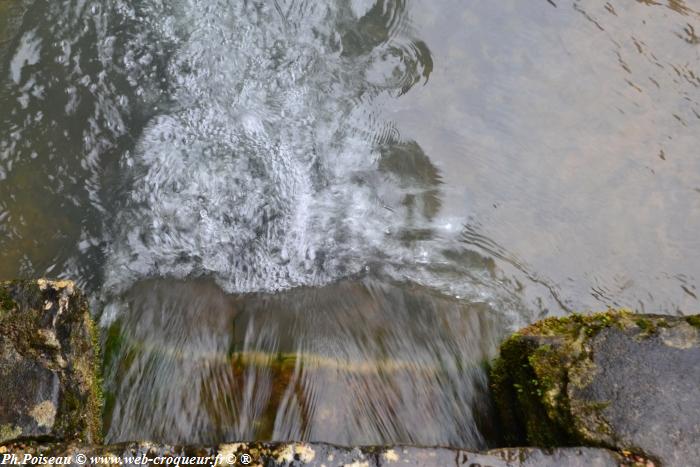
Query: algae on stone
x=603, y=380
x=693, y=320
x=9, y=432
x=49, y=377
x=538, y=368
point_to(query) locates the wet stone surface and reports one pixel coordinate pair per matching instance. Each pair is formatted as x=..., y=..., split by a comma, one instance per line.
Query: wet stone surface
x=626, y=381
x=652, y=384
x=47, y=372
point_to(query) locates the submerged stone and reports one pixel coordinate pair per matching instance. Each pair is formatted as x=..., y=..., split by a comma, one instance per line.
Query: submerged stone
x=48, y=379
x=309, y=454
x=616, y=379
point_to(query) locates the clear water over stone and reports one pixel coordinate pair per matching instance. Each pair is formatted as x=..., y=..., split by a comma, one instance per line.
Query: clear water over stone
x=314, y=220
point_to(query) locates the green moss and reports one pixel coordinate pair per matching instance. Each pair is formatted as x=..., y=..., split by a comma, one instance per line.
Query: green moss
x=531, y=377
x=645, y=325
x=23, y=330
x=693, y=320
x=117, y=353
x=69, y=421
x=548, y=366
x=80, y=404
x=96, y=400
x=649, y=325
x=113, y=344
x=576, y=324
x=7, y=303
x=519, y=394
x=9, y=432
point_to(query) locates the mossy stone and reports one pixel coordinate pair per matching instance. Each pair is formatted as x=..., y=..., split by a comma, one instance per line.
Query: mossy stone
x=602, y=380
x=49, y=376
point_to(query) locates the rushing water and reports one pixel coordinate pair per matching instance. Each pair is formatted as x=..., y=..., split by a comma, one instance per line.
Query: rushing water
x=314, y=220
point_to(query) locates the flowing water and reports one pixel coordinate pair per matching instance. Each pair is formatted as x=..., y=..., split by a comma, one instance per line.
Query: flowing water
x=315, y=220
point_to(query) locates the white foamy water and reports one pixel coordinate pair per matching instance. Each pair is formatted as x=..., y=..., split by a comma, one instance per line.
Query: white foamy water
x=271, y=165
x=27, y=54
x=247, y=142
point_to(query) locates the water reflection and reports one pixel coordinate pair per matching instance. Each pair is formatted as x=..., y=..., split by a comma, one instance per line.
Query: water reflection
x=398, y=61
x=678, y=6
x=570, y=133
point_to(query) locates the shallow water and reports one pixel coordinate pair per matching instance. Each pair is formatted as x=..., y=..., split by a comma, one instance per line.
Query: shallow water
x=352, y=200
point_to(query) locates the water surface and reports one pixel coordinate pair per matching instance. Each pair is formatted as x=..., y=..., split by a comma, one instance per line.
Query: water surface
x=314, y=220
